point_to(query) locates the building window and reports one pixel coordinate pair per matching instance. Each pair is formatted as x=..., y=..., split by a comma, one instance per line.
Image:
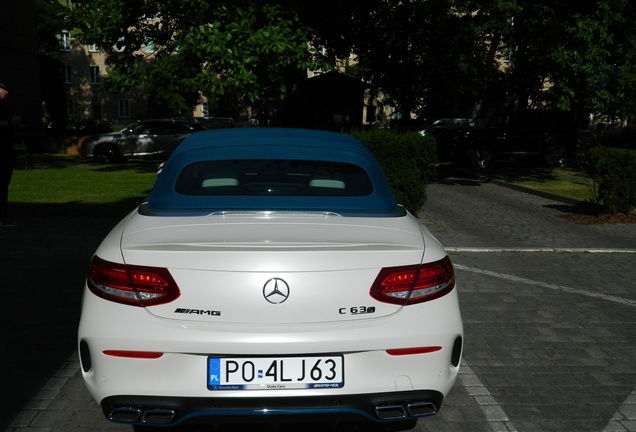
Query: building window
x=68, y=75
x=65, y=41
x=94, y=77
x=124, y=108
x=70, y=107
x=205, y=109
x=93, y=48
x=149, y=47
x=120, y=46
x=507, y=55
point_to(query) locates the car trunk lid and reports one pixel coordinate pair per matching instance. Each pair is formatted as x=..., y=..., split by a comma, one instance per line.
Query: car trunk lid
x=255, y=269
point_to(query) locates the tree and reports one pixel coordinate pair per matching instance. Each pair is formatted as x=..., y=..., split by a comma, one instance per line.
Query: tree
x=436, y=58
x=572, y=55
x=595, y=61
x=417, y=52
x=240, y=50
x=50, y=21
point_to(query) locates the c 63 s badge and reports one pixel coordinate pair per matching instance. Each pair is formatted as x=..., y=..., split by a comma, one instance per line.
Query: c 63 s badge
x=357, y=310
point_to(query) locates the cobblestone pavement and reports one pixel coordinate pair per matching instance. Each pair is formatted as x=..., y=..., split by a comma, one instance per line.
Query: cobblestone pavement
x=549, y=309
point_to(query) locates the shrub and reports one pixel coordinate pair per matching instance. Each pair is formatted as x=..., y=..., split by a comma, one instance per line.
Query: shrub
x=407, y=159
x=619, y=137
x=613, y=173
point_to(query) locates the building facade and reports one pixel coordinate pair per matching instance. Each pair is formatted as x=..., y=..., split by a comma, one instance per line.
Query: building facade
x=83, y=67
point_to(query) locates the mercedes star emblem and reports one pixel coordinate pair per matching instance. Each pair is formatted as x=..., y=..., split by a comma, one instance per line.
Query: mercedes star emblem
x=276, y=291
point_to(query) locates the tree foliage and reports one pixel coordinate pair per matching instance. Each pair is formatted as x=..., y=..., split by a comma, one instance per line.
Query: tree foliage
x=49, y=23
x=594, y=63
x=247, y=49
x=436, y=58
x=470, y=57
x=421, y=53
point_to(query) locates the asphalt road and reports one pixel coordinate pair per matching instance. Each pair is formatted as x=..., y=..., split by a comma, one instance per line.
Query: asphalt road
x=549, y=310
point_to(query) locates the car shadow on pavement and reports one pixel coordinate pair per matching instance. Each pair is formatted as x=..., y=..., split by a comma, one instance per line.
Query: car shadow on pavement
x=43, y=264
x=296, y=427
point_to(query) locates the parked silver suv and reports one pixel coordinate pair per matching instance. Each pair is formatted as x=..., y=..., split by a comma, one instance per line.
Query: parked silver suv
x=142, y=138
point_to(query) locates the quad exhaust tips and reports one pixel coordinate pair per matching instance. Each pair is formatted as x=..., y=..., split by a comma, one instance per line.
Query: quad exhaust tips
x=163, y=416
x=157, y=416
x=407, y=409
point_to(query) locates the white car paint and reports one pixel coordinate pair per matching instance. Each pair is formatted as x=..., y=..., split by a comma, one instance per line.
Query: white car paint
x=148, y=364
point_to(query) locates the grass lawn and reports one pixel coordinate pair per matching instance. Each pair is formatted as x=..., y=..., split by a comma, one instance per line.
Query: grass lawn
x=67, y=186
x=571, y=183
x=566, y=182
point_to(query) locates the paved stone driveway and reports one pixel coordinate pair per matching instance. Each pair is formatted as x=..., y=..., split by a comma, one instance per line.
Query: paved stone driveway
x=549, y=310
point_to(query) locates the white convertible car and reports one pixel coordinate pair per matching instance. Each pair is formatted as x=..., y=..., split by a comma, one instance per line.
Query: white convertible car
x=270, y=276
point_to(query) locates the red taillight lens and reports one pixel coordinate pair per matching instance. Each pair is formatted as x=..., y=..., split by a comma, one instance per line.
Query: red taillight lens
x=131, y=285
x=414, y=284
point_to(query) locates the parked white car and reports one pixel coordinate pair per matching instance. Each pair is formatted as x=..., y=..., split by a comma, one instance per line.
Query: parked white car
x=270, y=274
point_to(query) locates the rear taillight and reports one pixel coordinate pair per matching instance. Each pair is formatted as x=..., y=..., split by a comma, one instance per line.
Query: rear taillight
x=131, y=285
x=414, y=284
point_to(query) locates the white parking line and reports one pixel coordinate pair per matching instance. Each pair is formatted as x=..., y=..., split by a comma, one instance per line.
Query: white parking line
x=620, y=300
x=496, y=416
x=624, y=417
x=559, y=250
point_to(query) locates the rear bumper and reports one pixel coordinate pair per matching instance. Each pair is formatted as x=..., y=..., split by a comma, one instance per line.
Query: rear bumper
x=170, y=411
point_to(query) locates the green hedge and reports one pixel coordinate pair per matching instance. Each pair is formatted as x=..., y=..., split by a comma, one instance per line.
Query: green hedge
x=613, y=172
x=618, y=137
x=408, y=161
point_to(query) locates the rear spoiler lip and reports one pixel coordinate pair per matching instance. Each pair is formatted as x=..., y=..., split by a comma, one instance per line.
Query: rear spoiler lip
x=145, y=210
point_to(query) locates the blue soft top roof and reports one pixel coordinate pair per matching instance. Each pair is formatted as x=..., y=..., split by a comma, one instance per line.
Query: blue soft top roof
x=270, y=144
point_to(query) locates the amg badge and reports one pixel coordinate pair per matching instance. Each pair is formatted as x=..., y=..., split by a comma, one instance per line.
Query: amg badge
x=197, y=312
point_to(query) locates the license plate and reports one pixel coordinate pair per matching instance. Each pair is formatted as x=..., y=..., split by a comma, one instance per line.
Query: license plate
x=275, y=373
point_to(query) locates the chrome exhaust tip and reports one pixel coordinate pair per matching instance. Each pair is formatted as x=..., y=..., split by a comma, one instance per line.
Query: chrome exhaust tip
x=421, y=409
x=407, y=409
x=150, y=416
x=390, y=412
x=125, y=415
x=158, y=416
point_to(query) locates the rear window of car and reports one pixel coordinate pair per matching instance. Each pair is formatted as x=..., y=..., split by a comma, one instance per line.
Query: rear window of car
x=273, y=177
x=271, y=170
